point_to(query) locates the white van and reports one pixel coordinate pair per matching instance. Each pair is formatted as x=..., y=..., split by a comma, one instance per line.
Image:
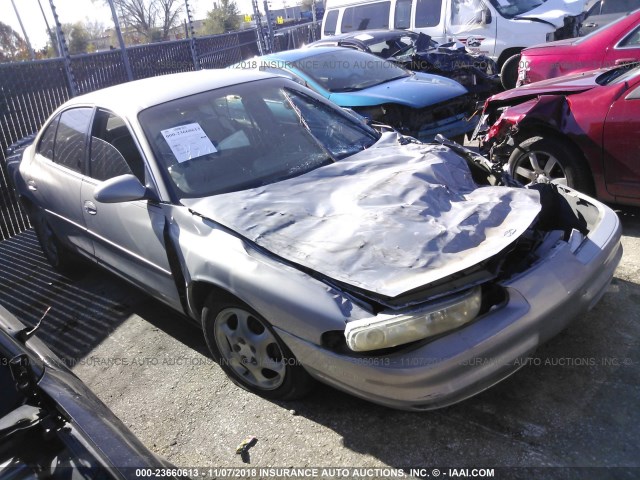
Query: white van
x=497, y=28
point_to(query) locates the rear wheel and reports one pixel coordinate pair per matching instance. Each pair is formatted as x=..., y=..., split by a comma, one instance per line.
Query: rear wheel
x=56, y=254
x=250, y=352
x=548, y=160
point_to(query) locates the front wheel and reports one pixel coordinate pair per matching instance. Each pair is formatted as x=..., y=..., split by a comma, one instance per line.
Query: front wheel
x=509, y=72
x=249, y=351
x=548, y=160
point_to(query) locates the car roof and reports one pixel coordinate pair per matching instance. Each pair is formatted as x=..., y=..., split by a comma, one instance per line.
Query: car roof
x=132, y=97
x=374, y=36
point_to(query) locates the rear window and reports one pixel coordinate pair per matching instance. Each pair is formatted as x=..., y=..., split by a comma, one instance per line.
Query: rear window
x=366, y=17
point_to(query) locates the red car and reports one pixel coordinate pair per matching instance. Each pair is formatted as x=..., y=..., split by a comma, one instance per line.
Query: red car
x=611, y=45
x=581, y=130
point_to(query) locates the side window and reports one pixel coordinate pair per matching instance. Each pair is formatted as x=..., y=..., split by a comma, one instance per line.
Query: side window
x=595, y=9
x=331, y=22
x=466, y=12
x=618, y=6
x=366, y=17
x=632, y=40
x=428, y=13
x=113, y=151
x=71, y=138
x=402, y=17
x=45, y=147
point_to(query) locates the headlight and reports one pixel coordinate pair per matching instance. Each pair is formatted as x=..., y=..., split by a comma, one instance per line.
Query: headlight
x=384, y=331
x=551, y=36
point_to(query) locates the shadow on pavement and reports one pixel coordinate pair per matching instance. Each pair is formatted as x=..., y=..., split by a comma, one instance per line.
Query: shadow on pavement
x=85, y=309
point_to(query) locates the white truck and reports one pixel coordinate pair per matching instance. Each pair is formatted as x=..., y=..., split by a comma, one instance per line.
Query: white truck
x=497, y=28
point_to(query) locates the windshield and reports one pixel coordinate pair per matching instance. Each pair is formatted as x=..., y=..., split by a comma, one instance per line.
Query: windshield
x=346, y=70
x=514, y=8
x=248, y=135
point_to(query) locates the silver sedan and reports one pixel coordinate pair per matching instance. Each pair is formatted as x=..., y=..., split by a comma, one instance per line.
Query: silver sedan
x=309, y=245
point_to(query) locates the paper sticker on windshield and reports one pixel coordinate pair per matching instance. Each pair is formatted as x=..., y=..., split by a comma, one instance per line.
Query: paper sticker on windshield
x=363, y=37
x=188, y=142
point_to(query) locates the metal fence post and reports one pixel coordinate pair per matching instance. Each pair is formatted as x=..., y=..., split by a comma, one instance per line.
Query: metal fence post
x=64, y=52
x=192, y=34
x=24, y=32
x=123, y=48
x=261, y=36
x=269, y=26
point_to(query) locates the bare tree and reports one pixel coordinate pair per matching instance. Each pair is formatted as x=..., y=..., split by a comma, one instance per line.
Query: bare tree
x=169, y=13
x=95, y=28
x=152, y=19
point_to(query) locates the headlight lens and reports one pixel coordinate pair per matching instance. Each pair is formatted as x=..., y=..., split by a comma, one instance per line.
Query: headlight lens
x=384, y=331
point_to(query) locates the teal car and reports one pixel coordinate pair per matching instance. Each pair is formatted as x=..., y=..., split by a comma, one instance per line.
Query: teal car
x=416, y=104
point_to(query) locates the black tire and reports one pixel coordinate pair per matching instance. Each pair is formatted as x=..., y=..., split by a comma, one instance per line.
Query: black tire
x=549, y=160
x=260, y=363
x=509, y=72
x=58, y=256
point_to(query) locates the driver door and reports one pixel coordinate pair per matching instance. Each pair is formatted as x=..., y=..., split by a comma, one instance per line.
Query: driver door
x=127, y=236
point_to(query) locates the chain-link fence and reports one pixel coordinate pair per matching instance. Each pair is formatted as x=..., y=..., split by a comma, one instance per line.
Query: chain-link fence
x=31, y=91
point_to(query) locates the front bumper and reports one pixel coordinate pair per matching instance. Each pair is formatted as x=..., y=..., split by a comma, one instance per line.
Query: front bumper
x=541, y=302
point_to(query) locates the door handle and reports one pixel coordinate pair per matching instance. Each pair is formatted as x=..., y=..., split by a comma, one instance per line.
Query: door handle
x=622, y=61
x=590, y=25
x=90, y=207
x=31, y=185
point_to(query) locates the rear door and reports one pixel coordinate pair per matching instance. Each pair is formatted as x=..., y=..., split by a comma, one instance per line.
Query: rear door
x=626, y=50
x=128, y=237
x=621, y=146
x=56, y=174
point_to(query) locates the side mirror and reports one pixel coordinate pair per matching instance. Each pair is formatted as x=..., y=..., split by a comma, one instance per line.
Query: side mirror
x=123, y=188
x=486, y=16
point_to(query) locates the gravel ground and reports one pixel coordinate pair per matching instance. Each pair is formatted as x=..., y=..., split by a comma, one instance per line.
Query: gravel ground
x=574, y=405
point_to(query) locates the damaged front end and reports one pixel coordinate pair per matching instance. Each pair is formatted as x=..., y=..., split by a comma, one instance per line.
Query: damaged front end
x=478, y=73
x=501, y=124
x=439, y=308
x=451, y=118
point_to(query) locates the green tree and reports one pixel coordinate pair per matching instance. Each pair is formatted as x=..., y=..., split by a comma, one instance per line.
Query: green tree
x=12, y=45
x=224, y=17
x=78, y=37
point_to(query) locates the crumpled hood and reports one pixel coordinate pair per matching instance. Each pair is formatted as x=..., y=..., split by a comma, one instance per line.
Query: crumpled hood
x=388, y=220
x=554, y=11
x=565, y=85
x=418, y=90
